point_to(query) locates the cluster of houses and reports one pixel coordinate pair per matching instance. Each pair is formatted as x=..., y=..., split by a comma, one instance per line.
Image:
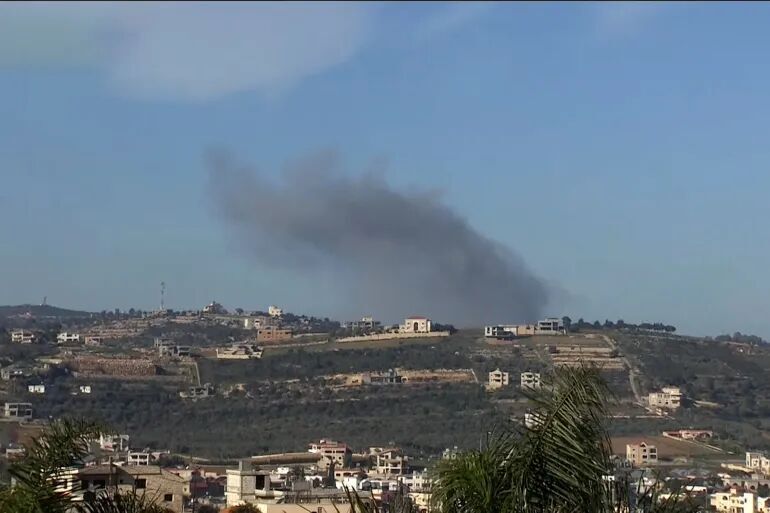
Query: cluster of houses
x=549, y=326
x=498, y=379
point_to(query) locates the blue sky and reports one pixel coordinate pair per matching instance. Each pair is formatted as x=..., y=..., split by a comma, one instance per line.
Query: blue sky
x=620, y=149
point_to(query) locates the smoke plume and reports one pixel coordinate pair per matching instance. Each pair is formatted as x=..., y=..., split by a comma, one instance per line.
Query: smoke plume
x=393, y=252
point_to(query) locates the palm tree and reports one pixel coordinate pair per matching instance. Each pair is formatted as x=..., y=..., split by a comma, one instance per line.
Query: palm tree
x=62, y=445
x=557, y=465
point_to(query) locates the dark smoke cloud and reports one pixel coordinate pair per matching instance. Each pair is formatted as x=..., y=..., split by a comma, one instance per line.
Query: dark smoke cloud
x=393, y=252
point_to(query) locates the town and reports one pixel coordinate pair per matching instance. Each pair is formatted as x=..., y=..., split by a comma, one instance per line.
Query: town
x=58, y=362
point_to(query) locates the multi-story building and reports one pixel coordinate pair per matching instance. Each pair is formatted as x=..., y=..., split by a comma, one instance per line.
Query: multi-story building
x=505, y=331
x=36, y=389
x=138, y=458
x=274, y=311
x=668, y=397
x=758, y=461
x=530, y=380
x=167, y=488
x=642, y=454
x=498, y=379
x=64, y=337
x=116, y=443
x=388, y=461
x=338, y=453
x=734, y=501
x=17, y=411
x=270, y=334
x=22, y=336
x=416, y=324
x=214, y=308
x=366, y=323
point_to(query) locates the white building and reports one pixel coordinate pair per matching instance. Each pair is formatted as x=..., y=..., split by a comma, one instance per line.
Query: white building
x=530, y=380
x=36, y=389
x=138, y=458
x=242, y=351
x=17, y=411
x=22, y=336
x=501, y=331
x=388, y=461
x=758, y=461
x=734, y=501
x=416, y=324
x=531, y=420
x=85, y=389
x=94, y=340
x=498, y=379
x=64, y=337
x=668, y=397
x=274, y=311
x=116, y=443
x=550, y=326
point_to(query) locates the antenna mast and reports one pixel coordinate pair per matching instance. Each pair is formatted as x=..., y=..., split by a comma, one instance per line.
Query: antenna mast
x=162, y=296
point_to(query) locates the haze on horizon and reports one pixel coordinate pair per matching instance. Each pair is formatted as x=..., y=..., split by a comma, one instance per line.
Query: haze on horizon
x=613, y=154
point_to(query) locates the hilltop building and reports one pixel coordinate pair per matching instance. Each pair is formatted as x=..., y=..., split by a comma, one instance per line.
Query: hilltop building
x=668, y=397
x=498, y=379
x=416, y=324
x=641, y=454
x=274, y=311
x=530, y=380
x=22, y=336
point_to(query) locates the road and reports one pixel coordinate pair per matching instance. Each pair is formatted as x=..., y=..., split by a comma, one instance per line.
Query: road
x=631, y=370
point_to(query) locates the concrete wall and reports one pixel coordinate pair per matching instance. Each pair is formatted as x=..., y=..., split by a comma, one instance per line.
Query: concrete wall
x=389, y=336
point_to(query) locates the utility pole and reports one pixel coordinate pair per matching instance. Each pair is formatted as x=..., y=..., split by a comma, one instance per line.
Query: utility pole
x=162, y=296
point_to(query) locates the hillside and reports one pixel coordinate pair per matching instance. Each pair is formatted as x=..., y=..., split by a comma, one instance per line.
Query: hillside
x=40, y=311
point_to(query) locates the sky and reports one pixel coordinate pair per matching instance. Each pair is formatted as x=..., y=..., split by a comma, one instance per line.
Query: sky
x=620, y=150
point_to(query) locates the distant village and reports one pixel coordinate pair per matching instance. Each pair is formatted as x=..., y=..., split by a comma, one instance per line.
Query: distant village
x=100, y=348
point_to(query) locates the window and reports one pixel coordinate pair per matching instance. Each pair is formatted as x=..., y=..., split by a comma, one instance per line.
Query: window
x=168, y=497
x=141, y=483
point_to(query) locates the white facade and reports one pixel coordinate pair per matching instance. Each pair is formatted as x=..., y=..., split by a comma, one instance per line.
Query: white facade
x=22, y=336
x=416, y=325
x=531, y=420
x=138, y=458
x=113, y=442
x=498, y=379
x=501, y=331
x=530, y=380
x=17, y=411
x=36, y=389
x=274, y=311
x=550, y=326
x=388, y=462
x=734, y=501
x=642, y=454
x=85, y=389
x=668, y=397
x=239, y=352
x=64, y=337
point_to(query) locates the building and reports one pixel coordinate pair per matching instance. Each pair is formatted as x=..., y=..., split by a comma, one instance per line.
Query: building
x=550, y=326
x=392, y=377
x=243, y=351
x=214, y=308
x=498, y=379
x=274, y=311
x=530, y=380
x=668, y=398
x=64, y=337
x=94, y=340
x=198, y=392
x=138, y=458
x=167, y=488
x=17, y=411
x=22, y=336
x=244, y=483
x=36, y=389
x=270, y=334
x=365, y=324
x=388, y=461
x=531, y=420
x=85, y=389
x=332, y=452
x=734, y=501
x=115, y=443
x=416, y=324
x=13, y=371
x=758, y=461
x=501, y=331
x=641, y=454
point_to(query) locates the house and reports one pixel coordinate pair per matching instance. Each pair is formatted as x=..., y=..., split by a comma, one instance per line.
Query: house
x=93, y=340
x=550, y=326
x=501, y=331
x=243, y=351
x=198, y=392
x=165, y=487
x=274, y=311
x=668, y=397
x=498, y=379
x=389, y=461
x=214, y=308
x=332, y=452
x=416, y=324
x=85, y=389
x=530, y=380
x=13, y=371
x=36, y=389
x=365, y=324
x=758, y=461
x=116, y=443
x=17, y=411
x=734, y=501
x=138, y=458
x=532, y=420
x=22, y=336
x=273, y=334
x=642, y=454
x=64, y=337
x=392, y=377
